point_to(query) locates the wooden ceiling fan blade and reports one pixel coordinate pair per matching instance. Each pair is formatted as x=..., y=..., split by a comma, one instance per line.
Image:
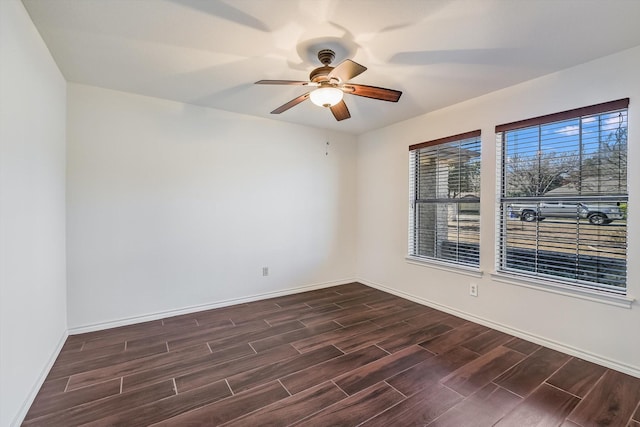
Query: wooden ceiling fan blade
x=346, y=70
x=282, y=82
x=373, y=92
x=340, y=111
x=290, y=104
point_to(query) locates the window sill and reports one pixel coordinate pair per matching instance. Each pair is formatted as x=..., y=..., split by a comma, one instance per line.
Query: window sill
x=562, y=289
x=453, y=268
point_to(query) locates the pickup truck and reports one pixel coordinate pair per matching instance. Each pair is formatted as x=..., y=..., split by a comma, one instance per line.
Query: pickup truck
x=599, y=214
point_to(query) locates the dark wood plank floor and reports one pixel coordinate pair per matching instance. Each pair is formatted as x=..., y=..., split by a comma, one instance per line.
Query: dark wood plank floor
x=343, y=356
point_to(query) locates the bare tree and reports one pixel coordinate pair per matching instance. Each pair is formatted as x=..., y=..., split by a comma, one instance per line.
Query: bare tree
x=539, y=174
x=464, y=177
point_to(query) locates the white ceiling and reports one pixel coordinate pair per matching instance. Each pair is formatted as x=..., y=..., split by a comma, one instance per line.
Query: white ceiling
x=437, y=52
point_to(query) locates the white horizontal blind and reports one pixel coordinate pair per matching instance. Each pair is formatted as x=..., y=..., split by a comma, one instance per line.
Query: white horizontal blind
x=563, y=198
x=444, y=211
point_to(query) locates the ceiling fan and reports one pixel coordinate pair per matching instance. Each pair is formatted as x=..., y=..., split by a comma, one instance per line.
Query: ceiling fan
x=331, y=83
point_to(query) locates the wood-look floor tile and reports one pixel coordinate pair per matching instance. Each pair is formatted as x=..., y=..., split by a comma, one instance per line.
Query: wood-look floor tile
x=452, y=338
x=386, y=367
x=314, y=318
x=370, y=298
x=62, y=369
x=355, y=409
x=431, y=371
x=44, y=404
x=291, y=355
x=546, y=406
x=182, y=366
x=117, y=370
x=92, y=353
x=482, y=408
x=282, y=328
x=293, y=408
x=95, y=410
x=353, y=300
x=366, y=315
x=53, y=386
x=351, y=287
x=452, y=321
x=332, y=299
x=577, y=376
x=123, y=332
x=428, y=317
x=612, y=401
x=522, y=346
x=179, y=321
x=107, y=340
x=294, y=314
x=266, y=373
x=233, y=314
x=330, y=369
x=527, y=375
x=476, y=374
x=230, y=408
x=246, y=316
x=414, y=336
x=224, y=312
x=178, y=333
x=487, y=341
x=208, y=373
x=335, y=336
x=71, y=344
x=419, y=409
x=295, y=335
x=216, y=333
x=397, y=302
x=402, y=316
x=355, y=342
x=166, y=408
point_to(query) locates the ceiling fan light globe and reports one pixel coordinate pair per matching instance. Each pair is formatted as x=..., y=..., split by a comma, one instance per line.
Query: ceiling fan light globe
x=326, y=96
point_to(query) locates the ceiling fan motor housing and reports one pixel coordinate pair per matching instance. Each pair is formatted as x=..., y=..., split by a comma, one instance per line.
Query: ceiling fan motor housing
x=320, y=74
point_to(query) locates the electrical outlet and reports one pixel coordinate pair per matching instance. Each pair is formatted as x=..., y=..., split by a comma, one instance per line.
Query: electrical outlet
x=265, y=271
x=473, y=290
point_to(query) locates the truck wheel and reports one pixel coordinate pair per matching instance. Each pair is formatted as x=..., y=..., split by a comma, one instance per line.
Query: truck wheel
x=598, y=218
x=528, y=216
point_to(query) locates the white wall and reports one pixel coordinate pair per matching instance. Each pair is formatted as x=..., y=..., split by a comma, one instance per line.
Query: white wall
x=32, y=210
x=172, y=206
x=601, y=332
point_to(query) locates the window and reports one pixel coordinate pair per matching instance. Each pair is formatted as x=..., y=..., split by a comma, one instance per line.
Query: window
x=444, y=218
x=563, y=197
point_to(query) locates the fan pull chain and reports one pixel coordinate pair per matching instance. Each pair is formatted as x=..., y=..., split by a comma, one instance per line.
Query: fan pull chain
x=326, y=153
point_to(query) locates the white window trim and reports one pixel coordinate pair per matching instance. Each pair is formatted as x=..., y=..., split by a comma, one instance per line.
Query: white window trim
x=559, y=288
x=445, y=266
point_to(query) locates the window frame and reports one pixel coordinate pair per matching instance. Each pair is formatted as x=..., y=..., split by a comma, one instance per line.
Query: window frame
x=413, y=257
x=557, y=283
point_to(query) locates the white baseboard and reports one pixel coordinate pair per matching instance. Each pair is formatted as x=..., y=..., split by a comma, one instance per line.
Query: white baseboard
x=36, y=387
x=201, y=307
x=555, y=345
